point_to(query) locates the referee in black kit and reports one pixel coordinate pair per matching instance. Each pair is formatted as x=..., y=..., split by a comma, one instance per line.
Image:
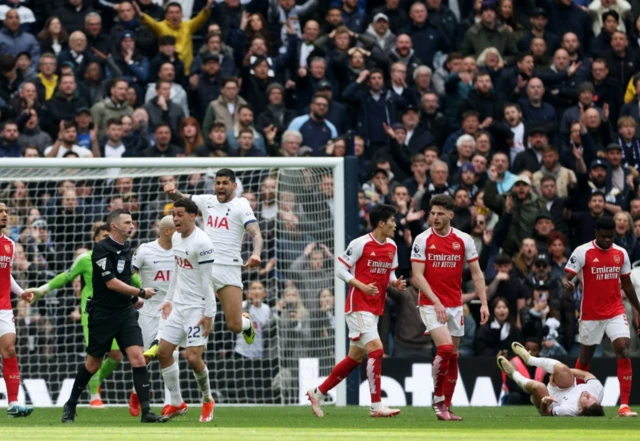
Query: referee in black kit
x=112, y=315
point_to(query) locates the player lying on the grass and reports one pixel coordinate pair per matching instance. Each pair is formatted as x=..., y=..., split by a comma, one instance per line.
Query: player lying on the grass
x=226, y=219
x=8, y=285
x=562, y=396
x=154, y=262
x=368, y=266
x=82, y=267
x=188, y=308
x=604, y=268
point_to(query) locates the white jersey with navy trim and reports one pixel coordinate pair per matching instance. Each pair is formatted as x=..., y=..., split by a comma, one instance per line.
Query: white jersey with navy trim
x=155, y=266
x=225, y=225
x=192, y=254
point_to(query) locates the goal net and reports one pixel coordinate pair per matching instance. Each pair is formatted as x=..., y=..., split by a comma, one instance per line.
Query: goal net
x=293, y=297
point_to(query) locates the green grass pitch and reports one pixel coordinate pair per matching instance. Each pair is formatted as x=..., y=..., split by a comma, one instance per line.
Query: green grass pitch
x=297, y=423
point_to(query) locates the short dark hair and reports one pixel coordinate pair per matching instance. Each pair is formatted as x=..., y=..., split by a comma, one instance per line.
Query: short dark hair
x=381, y=213
x=546, y=178
x=226, y=173
x=218, y=125
x=503, y=259
x=376, y=70
x=114, y=121
x=596, y=193
x=161, y=82
x=114, y=215
x=167, y=40
x=605, y=223
x=226, y=80
x=162, y=124
x=320, y=95
x=522, y=56
x=188, y=205
x=466, y=114
x=241, y=107
x=99, y=230
x=173, y=4
x=442, y=200
x=595, y=410
x=516, y=105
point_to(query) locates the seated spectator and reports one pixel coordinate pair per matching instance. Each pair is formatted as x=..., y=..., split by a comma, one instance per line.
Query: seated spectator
x=9, y=146
x=629, y=142
x=488, y=33
x=558, y=247
x=529, y=159
x=212, y=45
x=127, y=21
x=32, y=135
x=525, y=258
x=162, y=109
x=495, y=337
x=216, y=144
x=53, y=36
x=78, y=56
x=133, y=67
x=14, y=40
x=205, y=86
x=316, y=130
x=439, y=173
x=65, y=101
x=551, y=166
x=113, y=106
x=177, y=93
x=224, y=109
x=112, y=147
x=96, y=39
x=245, y=121
x=167, y=54
x=163, y=147
x=72, y=14
x=507, y=285
x=190, y=135
x=67, y=142
x=245, y=145
x=427, y=38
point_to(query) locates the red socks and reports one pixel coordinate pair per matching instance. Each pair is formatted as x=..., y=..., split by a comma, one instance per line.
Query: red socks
x=374, y=370
x=451, y=379
x=440, y=369
x=624, y=377
x=11, y=375
x=585, y=368
x=339, y=373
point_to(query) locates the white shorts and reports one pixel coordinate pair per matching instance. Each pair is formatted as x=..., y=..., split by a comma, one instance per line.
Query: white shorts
x=151, y=327
x=7, y=322
x=363, y=328
x=181, y=327
x=455, y=320
x=226, y=275
x=592, y=331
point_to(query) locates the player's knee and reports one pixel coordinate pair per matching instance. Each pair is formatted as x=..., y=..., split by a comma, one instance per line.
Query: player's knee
x=8, y=352
x=623, y=352
x=137, y=361
x=193, y=359
x=561, y=370
x=115, y=356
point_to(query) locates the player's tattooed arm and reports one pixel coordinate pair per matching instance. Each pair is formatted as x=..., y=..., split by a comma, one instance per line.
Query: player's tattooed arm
x=256, y=237
x=173, y=193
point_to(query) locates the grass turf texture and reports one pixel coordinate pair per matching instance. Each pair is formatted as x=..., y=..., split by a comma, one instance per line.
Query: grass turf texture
x=297, y=423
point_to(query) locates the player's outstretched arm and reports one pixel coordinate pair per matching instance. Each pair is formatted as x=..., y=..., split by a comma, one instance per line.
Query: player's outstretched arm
x=15, y=288
x=630, y=292
x=481, y=290
x=173, y=193
x=82, y=265
x=417, y=269
x=582, y=375
x=256, y=238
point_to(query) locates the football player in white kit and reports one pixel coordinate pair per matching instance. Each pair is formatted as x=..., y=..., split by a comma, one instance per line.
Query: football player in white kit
x=226, y=218
x=562, y=396
x=154, y=262
x=188, y=309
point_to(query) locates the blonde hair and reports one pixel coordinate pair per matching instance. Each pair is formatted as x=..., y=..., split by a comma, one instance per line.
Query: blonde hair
x=482, y=58
x=300, y=309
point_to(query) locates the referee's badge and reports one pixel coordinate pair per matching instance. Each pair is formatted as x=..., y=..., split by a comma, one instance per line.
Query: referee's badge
x=120, y=266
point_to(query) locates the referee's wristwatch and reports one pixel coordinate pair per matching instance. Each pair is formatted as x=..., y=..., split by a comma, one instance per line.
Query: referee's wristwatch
x=142, y=294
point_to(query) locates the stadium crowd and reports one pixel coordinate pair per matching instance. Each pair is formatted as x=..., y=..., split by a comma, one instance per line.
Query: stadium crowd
x=524, y=111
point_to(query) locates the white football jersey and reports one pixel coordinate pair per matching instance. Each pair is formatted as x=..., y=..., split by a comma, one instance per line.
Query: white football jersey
x=225, y=225
x=155, y=266
x=192, y=284
x=567, y=404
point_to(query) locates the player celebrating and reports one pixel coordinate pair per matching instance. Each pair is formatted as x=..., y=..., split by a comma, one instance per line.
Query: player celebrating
x=562, y=397
x=368, y=266
x=82, y=267
x=438, y=258
x=188, y=308
x=8, y=285
x=154, y=261
x=226, y=218
x=112, y=315
x=604, y=267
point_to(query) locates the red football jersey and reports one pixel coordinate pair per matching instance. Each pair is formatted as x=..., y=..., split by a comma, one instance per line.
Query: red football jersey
x=370, y=262
x=600, y=273
x=444, y=258
x=7, y=248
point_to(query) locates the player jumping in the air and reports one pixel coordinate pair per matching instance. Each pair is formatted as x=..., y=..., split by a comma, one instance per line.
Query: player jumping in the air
x=8, y=285
x=226, y=218
x=368, y=266
x=438, y=258
x=562, y=396
x=604, y=268
x=154, y=262
x=83, y=267
x=188, y=308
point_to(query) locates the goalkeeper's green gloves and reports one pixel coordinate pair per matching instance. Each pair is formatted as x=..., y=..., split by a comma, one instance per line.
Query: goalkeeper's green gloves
x=39, y=293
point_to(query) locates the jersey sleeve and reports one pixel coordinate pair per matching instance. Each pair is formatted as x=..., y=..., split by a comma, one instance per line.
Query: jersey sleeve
x=419, y=252
x=352, y=253
x=205, y=248
x=595, y=388
x=200, y=200
x=626, y=264
x=575, y=262
x=246, y=213
x=138, y=258
x=395, y=264
x=470, y=251
x=100, y=259
x=81, y=265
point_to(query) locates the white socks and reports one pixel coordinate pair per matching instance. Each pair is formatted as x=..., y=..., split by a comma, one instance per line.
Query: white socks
x=202, y=379
x=95, y=397
x=246, y=323
x=172, y=383
x=548, y=364
x=167, y=392
x=520, y=380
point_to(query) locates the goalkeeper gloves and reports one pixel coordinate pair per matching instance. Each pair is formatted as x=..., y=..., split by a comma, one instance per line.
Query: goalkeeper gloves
x=39, y=293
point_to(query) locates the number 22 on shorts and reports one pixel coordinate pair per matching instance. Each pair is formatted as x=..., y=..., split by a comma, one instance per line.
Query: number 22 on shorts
x=193, y=332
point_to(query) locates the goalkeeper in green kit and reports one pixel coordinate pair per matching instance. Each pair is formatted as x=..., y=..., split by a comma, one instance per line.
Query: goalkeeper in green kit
x=83, y=267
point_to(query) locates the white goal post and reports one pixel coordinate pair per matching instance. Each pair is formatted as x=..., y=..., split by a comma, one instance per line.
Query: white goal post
x=21, y=178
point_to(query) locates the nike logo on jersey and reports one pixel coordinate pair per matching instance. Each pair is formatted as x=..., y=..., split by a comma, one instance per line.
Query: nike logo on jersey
x=432, y=247
x=209, y=206
x=117, y=252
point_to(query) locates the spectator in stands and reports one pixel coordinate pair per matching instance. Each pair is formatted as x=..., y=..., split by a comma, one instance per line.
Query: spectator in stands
x=245, y=144
x=163, y=147
x=162, y=109
x=622, y=60
x=530, y=159
x=78, y=56
x=53, y=36
x=488, y=33
x=483, y=100
x=145, y=41
x=65, y=101
x=225, y=108
x=32, y=135
x=65, y=226
x=95, y=37
x=255, y=306
x=112, y=147
x=38, y=245
x=629, y=142
x=14, y=40
x=506, y=285
x=67, y=142
x=177, y=94
x=133, y=67
x=316, y=130
x=621, y=177
x=9, y=146
x=385, y=39
x=205, y=86
x=566, y=16
x=216, y=144
x=551, y=166
x=72, y=14
x=583, y=222
x=311, y=274
x=525, y=258
x=500, y=171
x=245, y=121
x=625, y=237
x=113, y=106
x=495, y=337
x=212, y=45
x=539, y=20
x=167, y=54
x=558, y=246
x=174, y=25
x=426, y=37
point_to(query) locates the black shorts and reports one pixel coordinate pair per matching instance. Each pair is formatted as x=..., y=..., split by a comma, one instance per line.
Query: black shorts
x=104, y=327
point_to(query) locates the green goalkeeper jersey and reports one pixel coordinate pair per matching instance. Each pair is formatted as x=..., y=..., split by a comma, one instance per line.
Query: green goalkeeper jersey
x=82, y=267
